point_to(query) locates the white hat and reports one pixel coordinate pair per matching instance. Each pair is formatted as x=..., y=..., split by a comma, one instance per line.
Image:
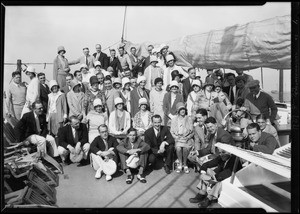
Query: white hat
x=198, y=73
x=117, y=80
x=153, y=58
x=92, y=70
x=174, y=83
x=196, y=82
x=52, y=83
x=118, y=100
x=97, y=63
x=162, y=46
x=125, y=80
x=97, y=102
x=83, y=66
x=143, y=101
x=105, y=73
x=30, y=69
x=169, y=57
x=155, y=50
x=140, y=79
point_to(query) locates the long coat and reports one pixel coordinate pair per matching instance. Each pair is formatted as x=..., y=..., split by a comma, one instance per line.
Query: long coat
x=60, y=71
x=168, y=109
x=134, y=100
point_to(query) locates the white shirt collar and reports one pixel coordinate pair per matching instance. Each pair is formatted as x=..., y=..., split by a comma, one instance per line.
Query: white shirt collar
x=258, y=94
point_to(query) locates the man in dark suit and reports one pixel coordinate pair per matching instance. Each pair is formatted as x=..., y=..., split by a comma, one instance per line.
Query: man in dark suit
x=32, y=128
x=161, y=143
x=101, y=57
x=187, y=83
x=103, y=146
x=78, y=77
x=44, y=91
x=210, y=180
x=114, y=62
x=147, y=60
x=231, y=89
x=73, y=138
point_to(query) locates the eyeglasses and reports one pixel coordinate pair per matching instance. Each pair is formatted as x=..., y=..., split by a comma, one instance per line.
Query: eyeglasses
x=39, y=108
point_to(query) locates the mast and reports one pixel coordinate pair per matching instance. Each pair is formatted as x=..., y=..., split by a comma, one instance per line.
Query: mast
x=281, y=85
x=122, y=38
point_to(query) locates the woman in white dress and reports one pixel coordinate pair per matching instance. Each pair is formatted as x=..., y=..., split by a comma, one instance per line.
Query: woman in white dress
x=192, y=96
x=142, y=119
x=125, y=93
x=156, y=98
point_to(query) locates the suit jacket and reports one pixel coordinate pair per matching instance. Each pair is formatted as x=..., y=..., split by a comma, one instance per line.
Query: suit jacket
x=65, y=135
x=110, y=99
x=98, y=144
x=44, y=91
x=116, y=65
x=27, y=126
x=154, y=142
x=167, y=103
x=222, y=136
x=226, y=90
x=146, y=62
x=224, y=169
x=134, y=100
x=186, y=88
x=102, y=59
x=124, y=146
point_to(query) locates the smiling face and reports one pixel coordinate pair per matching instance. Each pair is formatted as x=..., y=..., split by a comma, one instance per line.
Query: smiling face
x=42, y=79
x=54, y=89
x=254, y=90
x=68, y=80
x=17, y=79
x=131, y=136
x=196, y=88
x=75, y=123
x=98, y=48
x=86, y=52
x=38, y=109
x=159, y=85
x=100, y=78
x=262, y=123
x=98, y=108
x=240, y=84
x=211, y=128
x=103, y=131
x=174, y=89
x=200, y=119
x=182, y=112
x=192, y=73
x=142, y=84
x=108, y=84
x=79, y=76
x=156, y=122
x=253, y=134
x=143, y=107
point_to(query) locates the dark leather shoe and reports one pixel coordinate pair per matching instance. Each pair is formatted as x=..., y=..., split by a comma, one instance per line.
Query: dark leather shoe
x=198, y=198
x=129, y=179
x=205, y=203
x=167, y=169
x=83, y=163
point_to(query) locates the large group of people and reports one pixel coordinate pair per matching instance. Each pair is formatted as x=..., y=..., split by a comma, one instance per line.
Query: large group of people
x=129, y=112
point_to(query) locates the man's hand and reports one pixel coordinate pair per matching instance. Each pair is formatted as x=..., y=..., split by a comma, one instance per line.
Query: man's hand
x=77, y=148
x=104, y=153
x=72, y=149
x=85, y=148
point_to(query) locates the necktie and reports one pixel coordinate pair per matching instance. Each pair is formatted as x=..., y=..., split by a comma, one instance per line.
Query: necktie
x=82, y=88
x=86, y=61
x=231, y=95
x=76, y=136
x=106, y=146
x=38, y=127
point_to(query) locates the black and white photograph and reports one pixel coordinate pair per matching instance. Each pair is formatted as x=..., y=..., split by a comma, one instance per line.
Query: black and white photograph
x=127, y=106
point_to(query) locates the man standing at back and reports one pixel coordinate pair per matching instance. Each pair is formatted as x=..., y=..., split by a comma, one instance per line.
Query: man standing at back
x=85, y=59
x=187, y=83
x=248, y=78
x=44, y=91
x=231, y=89
x=101, y=57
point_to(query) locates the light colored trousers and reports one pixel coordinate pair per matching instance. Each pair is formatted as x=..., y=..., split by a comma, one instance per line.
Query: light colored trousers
x=212, y=193
x=41, y=143
x=64, y=152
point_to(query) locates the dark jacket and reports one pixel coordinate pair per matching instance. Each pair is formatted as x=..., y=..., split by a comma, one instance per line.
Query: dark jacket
x=65, y=136
x=115, y=64
x=27, y=126
x=124, y=146
x=98, y=144
x=223, y=170
x=222, y=137
x=154, y=142
x=186, y=88
x=102, y=59
x=44, y=91
x=266, y=144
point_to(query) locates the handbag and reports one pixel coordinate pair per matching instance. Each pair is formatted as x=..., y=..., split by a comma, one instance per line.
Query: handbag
x=133, y=161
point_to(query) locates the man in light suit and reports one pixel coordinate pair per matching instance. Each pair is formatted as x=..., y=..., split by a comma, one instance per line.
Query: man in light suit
x=101, y=57
x=187, y=83
x=161, y=143
x=33, y=128
x=85, y=59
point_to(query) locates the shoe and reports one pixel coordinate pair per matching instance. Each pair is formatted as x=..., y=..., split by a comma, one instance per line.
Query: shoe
x=108, y=178
x=129, y=179
x=186, y=169
x=206, y=202
x=141, y=178
x=179, y=168
x=66, y=162
x=198, y=198
x=83, y=162
x=98, y=173
x=167, y=169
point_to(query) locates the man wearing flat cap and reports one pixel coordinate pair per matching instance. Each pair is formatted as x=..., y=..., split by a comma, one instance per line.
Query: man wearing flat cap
x=60, y=67
x=258, y=102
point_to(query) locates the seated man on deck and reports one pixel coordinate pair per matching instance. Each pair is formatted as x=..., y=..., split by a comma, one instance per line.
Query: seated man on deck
x=261, y=141
x=73, y=138
x=33, y=128
x=161, y=143
x=103, y=147
x=210, y=184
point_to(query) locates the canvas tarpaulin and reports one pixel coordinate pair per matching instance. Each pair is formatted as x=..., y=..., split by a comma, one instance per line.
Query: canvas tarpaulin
x=265, y=43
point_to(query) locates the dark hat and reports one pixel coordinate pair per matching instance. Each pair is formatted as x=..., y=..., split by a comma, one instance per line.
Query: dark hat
x=157, y=80
x=238, y=78
x=180, y=106
x=176, y=73
x=93, y=80
x=209, y=81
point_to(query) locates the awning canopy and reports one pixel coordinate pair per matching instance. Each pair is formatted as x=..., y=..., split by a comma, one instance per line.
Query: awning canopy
x=265, y=43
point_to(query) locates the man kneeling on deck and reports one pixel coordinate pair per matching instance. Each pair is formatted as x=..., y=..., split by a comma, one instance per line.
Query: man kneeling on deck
x=133, y=153
x=103, y=149
x=32, y=128
x=210, y=180
x=73, y=138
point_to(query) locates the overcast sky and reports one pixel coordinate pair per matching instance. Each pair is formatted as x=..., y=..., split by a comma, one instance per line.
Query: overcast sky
x=33, y=33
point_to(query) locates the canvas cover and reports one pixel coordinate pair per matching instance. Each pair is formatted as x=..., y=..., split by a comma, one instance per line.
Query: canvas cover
x=265, y=43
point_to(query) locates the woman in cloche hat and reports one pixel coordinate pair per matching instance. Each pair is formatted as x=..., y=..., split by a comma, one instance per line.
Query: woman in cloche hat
x=60, y=67
x=182, y=130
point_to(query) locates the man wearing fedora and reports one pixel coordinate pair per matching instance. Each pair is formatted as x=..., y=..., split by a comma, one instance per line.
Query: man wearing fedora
x=73, y=139
x=259, y=102
x=161, y=143
x=33, y=90
x=152, y=72
x=86, y=59
x=101, y=57
x=187, y=83
x=60, y=67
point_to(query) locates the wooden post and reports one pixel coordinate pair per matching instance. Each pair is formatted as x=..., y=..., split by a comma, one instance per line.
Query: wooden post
x=19, y=68
x=262, y=77
x=281, y=85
